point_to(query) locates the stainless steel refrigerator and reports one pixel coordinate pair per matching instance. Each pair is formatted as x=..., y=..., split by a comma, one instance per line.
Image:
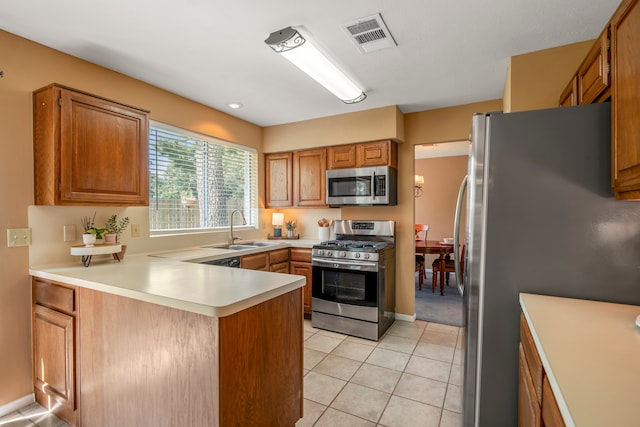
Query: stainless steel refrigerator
x=541, y=218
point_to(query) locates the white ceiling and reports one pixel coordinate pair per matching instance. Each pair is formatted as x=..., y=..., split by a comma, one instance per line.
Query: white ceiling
x=213, y=51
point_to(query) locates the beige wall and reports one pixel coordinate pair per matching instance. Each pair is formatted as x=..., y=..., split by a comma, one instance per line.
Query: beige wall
x=28, y=66
x=537, y=79
x=436, y=206
x=369, y=125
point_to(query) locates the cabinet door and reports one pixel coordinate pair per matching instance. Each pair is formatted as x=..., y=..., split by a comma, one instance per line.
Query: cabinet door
x=255, y=262
x=378, y=153
x=309, y=170
x=54, y=360
x=593, y=74
x=278, y=172
x=569, y=96
x=303, y=269
x=529, y=412
x=341, y=156
x=281, y=267
x=625, y=61
x=94, y=151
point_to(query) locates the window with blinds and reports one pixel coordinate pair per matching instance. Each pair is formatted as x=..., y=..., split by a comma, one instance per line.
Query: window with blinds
x=196, y=181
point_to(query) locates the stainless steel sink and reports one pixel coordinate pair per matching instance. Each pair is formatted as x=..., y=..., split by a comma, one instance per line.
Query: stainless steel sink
x=240, y=247
x=266, y=243
x=231, y=247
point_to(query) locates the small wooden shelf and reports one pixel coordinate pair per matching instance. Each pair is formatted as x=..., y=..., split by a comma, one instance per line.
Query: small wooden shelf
x=86, y=252
x=270, y=237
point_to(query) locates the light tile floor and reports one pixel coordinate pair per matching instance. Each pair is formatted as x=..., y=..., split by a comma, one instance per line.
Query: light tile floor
x=411, y=377
x=30, y=416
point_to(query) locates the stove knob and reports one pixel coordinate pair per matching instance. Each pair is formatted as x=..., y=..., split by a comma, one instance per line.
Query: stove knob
x=343, y=254
x=320, y=252
x=329, y=253
x=366, y=256
x=357, y=255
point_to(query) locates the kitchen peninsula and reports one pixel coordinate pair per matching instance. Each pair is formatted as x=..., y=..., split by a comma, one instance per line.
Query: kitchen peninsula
x=152, y=341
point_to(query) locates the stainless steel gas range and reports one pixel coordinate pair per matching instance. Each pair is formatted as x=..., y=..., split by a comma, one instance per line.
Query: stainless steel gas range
x=353, y=285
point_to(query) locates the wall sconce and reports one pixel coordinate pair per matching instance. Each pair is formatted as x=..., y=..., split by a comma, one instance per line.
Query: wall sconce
x=277, y=219
x=304, y=55
x=419, y=182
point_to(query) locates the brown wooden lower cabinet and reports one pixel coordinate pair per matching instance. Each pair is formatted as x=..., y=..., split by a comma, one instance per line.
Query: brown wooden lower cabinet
x=141, y=364
x=54, y=348
x=537, y=405
x=279, y=261
x=301, y=264
x=259, y=261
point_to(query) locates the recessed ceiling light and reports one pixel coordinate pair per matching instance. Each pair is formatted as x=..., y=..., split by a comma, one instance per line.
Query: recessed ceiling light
x=234, y=105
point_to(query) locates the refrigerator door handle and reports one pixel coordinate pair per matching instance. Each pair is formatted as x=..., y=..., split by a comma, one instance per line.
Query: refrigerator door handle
x=456, y=234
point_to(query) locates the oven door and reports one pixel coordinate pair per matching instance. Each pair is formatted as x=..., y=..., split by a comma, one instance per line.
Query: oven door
x=345, y=282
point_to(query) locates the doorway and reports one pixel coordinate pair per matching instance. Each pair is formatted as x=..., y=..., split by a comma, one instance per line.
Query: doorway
x=442, y=167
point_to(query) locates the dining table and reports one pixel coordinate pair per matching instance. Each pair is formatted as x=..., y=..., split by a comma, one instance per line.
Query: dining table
x=433, y=247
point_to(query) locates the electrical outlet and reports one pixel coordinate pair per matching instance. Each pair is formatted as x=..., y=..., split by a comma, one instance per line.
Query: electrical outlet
x=18, y=237
x=69, y=233
x=135, y=230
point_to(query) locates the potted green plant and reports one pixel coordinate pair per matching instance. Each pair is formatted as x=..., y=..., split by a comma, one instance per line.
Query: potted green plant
x=116, y=228
x=91, y=233
x=291, y=226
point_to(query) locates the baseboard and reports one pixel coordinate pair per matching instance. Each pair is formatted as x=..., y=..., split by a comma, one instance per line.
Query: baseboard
x=17, y=404
x=406, y=317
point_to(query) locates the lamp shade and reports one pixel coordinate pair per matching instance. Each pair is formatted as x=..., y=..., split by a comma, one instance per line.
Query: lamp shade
x=277, y=219
x=419, y=179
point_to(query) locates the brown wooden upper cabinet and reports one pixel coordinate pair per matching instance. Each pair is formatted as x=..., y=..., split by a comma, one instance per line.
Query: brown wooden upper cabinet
x=625, y=96
x=89, y=150
x=569, y=96
x=593, y=75
x=377, y=153
x=592, y=81
x=610, y=71
x=341, y=156
x=309, y=187
x=296, y=179
x=279, y=176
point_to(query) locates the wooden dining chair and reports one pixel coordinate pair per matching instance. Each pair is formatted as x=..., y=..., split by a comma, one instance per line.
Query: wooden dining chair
x=420, y=264
x=449, y=267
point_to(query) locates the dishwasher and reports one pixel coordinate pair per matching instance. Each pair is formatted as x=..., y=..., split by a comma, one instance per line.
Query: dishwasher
x=225, y=262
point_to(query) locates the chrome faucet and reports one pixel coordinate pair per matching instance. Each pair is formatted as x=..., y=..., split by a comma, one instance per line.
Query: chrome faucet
x=244, y=222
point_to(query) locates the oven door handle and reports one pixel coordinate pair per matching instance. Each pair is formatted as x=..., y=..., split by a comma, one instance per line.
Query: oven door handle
x=347, y=265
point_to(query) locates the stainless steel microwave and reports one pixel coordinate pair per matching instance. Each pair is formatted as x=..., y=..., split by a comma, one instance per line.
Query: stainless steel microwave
x=362, y=186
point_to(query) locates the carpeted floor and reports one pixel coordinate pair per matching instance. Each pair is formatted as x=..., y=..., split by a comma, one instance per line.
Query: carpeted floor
x=433, y=307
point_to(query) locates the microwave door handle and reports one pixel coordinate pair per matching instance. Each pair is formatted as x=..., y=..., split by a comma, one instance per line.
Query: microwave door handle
x=373, y=185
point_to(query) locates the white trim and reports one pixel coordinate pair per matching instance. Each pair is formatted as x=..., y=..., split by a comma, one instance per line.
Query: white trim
x=406, y=317
x=17, y=404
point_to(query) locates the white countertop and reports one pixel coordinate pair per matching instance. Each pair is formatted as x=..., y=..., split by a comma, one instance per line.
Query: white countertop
x=169, y=281
x=591, y=353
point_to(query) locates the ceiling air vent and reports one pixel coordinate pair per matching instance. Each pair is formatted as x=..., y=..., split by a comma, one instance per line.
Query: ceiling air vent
x=369, y=33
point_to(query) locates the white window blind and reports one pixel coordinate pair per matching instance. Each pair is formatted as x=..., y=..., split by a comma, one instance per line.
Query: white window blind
x=196, y=181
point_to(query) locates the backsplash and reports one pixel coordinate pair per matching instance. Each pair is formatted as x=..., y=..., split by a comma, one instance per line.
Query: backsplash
x=47, y=230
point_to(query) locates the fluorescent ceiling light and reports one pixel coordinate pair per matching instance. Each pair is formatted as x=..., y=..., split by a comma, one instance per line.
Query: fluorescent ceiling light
x=304, y=55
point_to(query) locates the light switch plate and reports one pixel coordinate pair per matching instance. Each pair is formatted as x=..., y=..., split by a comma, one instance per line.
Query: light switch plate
x=135, y=230
x=18, y=237
x=69, y=233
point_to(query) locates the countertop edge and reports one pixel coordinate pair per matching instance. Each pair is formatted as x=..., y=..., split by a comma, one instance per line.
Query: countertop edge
x=562, y=405
x=155, y=298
